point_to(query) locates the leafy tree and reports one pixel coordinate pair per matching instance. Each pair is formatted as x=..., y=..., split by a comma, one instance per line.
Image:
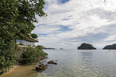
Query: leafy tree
x=17, y=17
x=34, y=35
x=16, y=22
x=8, y=55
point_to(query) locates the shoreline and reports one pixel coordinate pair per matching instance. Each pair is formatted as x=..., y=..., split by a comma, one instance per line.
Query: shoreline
x=18, y=70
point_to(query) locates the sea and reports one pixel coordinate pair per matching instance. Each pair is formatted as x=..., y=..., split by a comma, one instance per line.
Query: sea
x=76, y=63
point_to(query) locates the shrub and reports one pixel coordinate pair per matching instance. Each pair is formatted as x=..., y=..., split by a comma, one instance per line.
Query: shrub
x=34, y=35
x=31, y=55
x=8, y=51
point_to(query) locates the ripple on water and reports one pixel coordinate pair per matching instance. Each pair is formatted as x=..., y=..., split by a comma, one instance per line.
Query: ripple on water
x=73, y=63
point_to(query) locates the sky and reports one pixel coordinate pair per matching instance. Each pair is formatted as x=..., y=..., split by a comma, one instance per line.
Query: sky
x=71, y=22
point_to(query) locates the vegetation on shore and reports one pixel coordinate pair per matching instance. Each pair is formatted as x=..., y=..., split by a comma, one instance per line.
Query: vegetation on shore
x=16, y=22
x=31, y=55
x=86, y=46
x=34, y=36
x=24, y=55
x=8, y=55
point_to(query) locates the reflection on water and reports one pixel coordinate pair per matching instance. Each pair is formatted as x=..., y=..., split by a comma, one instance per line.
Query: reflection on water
x=76, y=63
x=82, y=64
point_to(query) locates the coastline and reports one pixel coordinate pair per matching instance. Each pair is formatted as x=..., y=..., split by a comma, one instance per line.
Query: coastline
x=19, y=70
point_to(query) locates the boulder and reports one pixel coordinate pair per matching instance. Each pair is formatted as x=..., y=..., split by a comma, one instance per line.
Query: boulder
x=41, y=67
x=51, y=62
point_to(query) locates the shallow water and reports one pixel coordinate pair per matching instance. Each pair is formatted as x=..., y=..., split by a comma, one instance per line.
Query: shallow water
x=78, y=63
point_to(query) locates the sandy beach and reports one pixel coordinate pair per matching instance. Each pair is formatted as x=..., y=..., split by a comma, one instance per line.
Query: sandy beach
x=19, y=70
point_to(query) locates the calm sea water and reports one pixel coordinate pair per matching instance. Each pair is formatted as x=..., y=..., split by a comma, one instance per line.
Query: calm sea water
x=74, y=63
x=81, y=63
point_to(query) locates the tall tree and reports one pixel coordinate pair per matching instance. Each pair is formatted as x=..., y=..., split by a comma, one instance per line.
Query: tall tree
x=17, y=17
x=16, y=22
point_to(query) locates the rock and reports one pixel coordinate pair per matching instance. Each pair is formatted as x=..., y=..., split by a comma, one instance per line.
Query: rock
x=51, y=62
x=41, y=67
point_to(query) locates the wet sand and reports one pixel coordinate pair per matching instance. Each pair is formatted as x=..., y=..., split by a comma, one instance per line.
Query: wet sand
x=21, y=71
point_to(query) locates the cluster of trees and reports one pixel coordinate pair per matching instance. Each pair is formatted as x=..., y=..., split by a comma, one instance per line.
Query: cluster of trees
x=16, y=22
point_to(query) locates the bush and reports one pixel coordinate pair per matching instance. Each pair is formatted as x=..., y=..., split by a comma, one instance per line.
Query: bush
x=8, y=51
x=31, y=55
x=34, y=35
x=40, y=51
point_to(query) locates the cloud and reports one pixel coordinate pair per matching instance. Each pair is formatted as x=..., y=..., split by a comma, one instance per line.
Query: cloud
x=110, y=38
x=72, y=22
x=44, y=29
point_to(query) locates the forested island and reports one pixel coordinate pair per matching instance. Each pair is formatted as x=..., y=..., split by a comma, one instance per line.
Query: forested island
x=47, y=48
x=85, y=46
x=110, y=47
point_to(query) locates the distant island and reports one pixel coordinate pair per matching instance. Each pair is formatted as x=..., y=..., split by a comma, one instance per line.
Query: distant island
x=61, y=48
x=48, y=48
x=110, y=47
x=85, y=46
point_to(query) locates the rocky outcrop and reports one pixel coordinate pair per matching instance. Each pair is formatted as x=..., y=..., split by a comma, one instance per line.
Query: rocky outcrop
x=86, y=46
x=41, y=67
x=51, y=62
x=110, y=47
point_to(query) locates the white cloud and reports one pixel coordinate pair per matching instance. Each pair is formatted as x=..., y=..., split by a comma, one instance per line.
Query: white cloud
x=81, y=16
x=110, y=38
x=44, y=29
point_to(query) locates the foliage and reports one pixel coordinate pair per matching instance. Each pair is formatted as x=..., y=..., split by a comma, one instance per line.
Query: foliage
x=34, y=35
x=31, y=55
x=8, y=55
x=16, y=22
x=17, y=17
x=40, y=47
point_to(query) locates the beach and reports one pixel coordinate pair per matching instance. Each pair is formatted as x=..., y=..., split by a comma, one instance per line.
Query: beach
x=20, y=71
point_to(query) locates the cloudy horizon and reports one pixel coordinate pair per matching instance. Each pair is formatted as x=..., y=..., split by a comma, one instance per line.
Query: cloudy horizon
x=71, y=22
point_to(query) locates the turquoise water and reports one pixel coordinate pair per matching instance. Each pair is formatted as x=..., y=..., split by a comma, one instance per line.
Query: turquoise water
x=81, y=63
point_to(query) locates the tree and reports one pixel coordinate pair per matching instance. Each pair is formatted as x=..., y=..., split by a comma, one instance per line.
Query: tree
x=17, y=17
x=33, y=35
x=16, y=22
